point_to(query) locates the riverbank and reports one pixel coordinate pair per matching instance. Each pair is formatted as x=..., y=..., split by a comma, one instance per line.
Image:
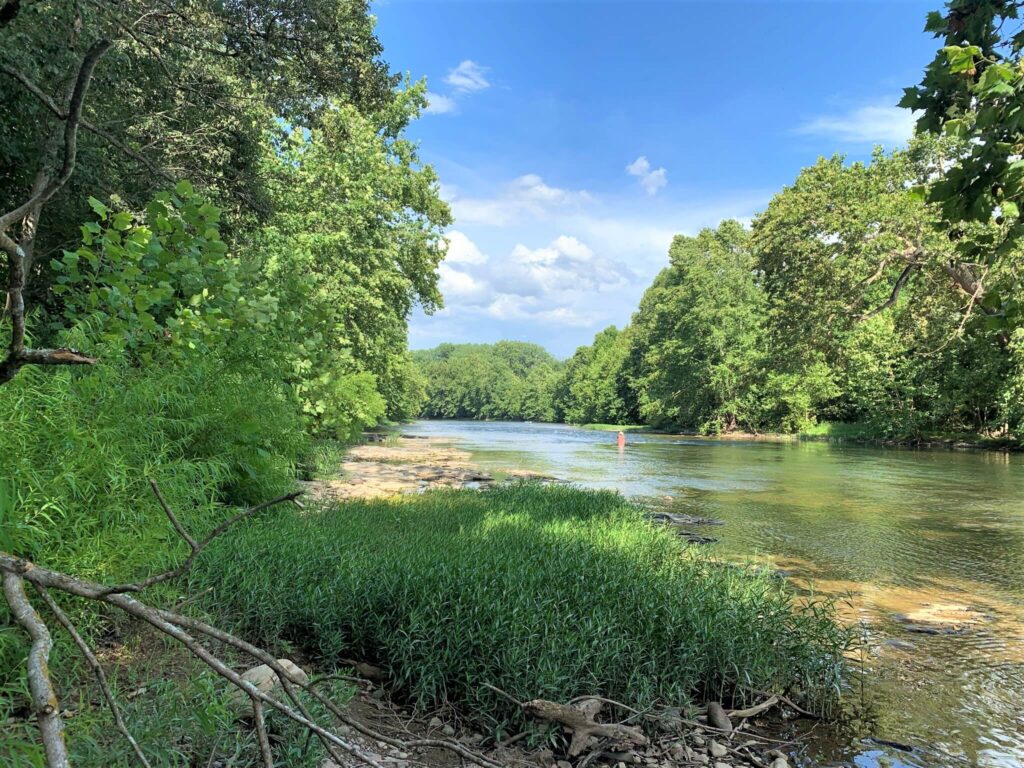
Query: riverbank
x=393, y=464
x=836, y=432
x=489, y=613
x=691, y=732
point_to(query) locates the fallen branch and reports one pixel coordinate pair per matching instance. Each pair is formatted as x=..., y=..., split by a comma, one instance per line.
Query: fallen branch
x=755, y=710
x=580, y=721
x=94, y=663
x=196, y=546
x=44, y=698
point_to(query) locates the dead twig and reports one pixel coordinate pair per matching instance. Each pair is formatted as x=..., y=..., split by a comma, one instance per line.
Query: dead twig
x=97, y=669
x=196, y=546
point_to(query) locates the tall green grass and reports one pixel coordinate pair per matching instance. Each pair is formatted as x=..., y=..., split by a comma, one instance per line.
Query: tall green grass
x=77, y=447
x=544, y=592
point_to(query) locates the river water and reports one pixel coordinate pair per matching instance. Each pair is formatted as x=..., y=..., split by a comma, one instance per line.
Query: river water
x=926, y=546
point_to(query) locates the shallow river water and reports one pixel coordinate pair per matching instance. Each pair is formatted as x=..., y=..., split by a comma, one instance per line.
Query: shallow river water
x=927, y=545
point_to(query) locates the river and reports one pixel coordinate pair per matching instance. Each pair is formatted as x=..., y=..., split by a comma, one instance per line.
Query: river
x=926, y=546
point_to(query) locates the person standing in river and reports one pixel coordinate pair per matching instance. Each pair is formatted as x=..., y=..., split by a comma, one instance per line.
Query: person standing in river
x=621, y=440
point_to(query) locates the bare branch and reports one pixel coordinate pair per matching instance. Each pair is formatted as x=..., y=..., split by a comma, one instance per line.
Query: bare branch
x=91, y=127
x=71, y=125
x=897, y=288
x=97, y=669
x=44, y=698
x=17, y=569
x=17, y=355
x=261, y=734
x=172, y=517
x=196, y=546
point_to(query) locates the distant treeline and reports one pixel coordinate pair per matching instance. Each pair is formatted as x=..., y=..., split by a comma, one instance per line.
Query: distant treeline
x=845, y=301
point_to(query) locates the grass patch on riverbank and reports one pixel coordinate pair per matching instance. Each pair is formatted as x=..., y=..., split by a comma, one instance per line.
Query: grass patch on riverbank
x=544, y=592
x=616, y=427
x=868, y=433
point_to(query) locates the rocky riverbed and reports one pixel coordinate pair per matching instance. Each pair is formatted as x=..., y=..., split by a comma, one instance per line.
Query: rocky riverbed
x=401, y=464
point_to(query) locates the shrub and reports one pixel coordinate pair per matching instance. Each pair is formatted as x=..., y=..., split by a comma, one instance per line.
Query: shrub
x=543, y=592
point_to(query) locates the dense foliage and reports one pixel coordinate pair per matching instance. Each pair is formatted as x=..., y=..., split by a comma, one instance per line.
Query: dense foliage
x=847, y=300
x=239, y=244
x=543, y=592
x=509, y=380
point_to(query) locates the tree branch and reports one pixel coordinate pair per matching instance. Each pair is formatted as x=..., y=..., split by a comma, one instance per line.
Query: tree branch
x=261, y=734
x=71, y=125
x=897, y=288
x=196, y=546
x=17, y=354
x=50, y=104
x=16, y=569
x=97, y=669
x=44, y=698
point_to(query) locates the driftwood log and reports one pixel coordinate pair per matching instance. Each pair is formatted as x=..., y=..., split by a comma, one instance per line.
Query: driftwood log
x=579, y=721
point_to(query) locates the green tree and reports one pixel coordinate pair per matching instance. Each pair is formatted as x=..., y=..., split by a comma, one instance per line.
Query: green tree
x=595, y=388
x=510, y=380
x=699, y=326
x=353, y=246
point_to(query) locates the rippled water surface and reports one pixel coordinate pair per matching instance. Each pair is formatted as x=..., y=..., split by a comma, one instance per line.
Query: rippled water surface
x=921, y=541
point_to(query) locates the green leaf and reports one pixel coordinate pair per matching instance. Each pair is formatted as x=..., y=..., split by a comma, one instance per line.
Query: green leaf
x=100, y=209
x=183, y=189
x=935, y=22
x=961, y=59
x=122, y=221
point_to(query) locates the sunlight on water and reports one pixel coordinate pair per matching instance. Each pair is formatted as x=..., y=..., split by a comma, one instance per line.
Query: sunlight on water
x=929, y=546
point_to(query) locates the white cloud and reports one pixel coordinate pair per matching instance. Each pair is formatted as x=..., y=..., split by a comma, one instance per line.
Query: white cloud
x=523, y=197
x=869, y=124
x=461, y=287
x=650, y=180
x=437, y=104
x=462, y=250
x=563, y=262
x=468, y=76
x=563, y=271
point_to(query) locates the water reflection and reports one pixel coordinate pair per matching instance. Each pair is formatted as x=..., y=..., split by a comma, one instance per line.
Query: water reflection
x=922, y=541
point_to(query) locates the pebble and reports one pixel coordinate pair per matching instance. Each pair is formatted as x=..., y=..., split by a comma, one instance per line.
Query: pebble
x=435, y=722
x=448, y=730
x=699, y=741
x=717, y=750
x=722, y=765
x=564, y=764
x=780, y=762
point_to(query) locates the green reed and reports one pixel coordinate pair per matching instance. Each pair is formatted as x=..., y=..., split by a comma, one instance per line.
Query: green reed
x=543, y=592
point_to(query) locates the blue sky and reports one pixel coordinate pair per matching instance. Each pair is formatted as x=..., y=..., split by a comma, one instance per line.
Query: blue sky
x=574, y=138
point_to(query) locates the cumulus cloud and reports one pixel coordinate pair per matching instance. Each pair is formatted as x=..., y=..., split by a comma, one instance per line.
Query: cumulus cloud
x=468, y=76
x=556, y=282
x=514, y=307
x=650, y=180
x=525, y=196
x=462, y=250
x=437, y=104
x=535, y=260
x=869, y=124
x=561, y=273
x=459, y=286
